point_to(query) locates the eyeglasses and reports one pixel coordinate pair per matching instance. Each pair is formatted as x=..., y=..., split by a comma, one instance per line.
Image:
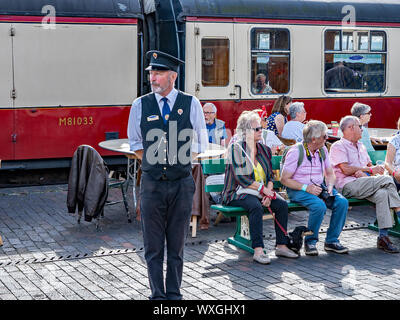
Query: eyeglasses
x=257, y=129
x=368, y=113
x=208, y=112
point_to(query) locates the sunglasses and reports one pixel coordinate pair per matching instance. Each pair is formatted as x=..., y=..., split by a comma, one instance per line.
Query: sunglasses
x=257, y=129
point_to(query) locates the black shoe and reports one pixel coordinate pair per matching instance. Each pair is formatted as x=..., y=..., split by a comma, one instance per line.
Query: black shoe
x=310, y=249
x=335, y=247
x=386, y=245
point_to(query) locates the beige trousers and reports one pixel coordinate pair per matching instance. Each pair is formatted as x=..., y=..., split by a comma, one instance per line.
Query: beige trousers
x=380, y=190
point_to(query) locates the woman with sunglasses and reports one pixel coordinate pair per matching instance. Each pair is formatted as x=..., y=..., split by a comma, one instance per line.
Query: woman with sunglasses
x=248, y=184
x=363, y=113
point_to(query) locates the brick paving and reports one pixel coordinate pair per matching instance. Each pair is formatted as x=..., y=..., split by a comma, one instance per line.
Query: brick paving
x=47, y=256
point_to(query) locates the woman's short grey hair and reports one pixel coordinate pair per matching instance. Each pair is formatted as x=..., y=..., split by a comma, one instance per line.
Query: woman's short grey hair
x=347, y=121
x=244, y=123
x=295, y=108
x=314, y=129
x=358, y=109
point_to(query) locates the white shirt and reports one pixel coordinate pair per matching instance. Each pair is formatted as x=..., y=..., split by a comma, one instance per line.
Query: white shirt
x=200, y=140
x=293, y=130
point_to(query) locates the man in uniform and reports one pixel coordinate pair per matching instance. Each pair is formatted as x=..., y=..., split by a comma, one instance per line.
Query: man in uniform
x=160, y=129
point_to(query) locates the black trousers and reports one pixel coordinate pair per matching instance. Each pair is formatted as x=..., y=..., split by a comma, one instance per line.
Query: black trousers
x=253, y=205
x=165, y=208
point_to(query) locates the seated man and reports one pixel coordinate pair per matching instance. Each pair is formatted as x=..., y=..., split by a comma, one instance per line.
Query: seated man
x=294, y=128
x=358, y=178
x=215, y=127
x=306, y=169
x=261, y=86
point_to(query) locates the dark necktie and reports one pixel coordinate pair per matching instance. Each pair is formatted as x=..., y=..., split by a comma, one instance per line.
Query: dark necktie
x=165, y=110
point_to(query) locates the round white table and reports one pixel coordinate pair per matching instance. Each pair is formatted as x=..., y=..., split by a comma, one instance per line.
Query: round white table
x=213, y=151
x=122, y=146
x=382, y=134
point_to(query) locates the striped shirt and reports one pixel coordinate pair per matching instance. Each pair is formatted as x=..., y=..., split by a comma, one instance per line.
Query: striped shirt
x=239, y=170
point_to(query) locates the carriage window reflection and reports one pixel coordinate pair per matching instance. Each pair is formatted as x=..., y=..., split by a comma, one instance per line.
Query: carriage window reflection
x=214, y=62
x=360, y=70
x=270, y=54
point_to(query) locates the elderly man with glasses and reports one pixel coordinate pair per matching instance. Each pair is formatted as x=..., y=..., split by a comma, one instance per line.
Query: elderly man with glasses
x=358, y=178
x=309, y=178
x=215, y=127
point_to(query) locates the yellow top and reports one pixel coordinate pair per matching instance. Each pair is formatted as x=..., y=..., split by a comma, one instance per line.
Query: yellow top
x=259, y=173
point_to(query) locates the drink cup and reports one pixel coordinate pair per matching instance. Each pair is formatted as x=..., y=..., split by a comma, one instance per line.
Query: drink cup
x=335, y=129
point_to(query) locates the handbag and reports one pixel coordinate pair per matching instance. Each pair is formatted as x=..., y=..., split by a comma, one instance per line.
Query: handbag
x=253, y=192
x=242, y=190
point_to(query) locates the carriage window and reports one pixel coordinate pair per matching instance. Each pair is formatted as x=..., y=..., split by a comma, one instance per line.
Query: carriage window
x=270, y=54
x=355, y=61
x=214, y=62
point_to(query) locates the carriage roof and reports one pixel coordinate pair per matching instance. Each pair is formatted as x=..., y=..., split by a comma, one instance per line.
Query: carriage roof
x=326, y=10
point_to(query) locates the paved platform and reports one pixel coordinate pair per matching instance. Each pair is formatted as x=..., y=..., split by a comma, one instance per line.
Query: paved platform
x=47, y=255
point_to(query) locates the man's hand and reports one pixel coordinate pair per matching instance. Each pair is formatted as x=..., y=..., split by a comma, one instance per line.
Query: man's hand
x=360, y=174
x=378, y=169
x=314, y=189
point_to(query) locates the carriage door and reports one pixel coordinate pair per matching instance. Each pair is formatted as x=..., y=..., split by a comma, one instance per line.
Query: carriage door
x=7, y=114
x=214, y=60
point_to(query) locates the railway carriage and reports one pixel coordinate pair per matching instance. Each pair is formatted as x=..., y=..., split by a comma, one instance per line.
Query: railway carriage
x=74, y=83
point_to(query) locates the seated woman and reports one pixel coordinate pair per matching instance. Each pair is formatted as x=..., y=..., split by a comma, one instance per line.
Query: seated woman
x=294, y=128
x=363, y=112
x=249, y=166
x=392, y=161
x=279, y=113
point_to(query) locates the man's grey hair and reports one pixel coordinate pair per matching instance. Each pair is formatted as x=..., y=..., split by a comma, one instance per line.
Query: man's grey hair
x=244, y=123
x=295, y=108
x=347, y=121
x=212, y=105
x=314, y=129
x=358, y=109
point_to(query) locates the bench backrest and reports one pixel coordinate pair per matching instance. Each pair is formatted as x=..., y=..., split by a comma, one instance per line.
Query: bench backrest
x=213, y=167
x=377, y=155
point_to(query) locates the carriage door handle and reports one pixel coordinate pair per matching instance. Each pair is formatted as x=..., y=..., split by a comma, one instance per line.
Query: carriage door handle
x=240, y=93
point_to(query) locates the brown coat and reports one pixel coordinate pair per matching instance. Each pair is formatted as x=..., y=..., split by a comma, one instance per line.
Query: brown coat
x=87, y=183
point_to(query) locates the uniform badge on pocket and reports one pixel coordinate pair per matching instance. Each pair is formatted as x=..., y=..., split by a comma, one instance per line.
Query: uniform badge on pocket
x=152, y=118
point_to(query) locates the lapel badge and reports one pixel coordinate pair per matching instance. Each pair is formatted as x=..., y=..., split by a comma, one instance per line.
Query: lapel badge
x=180, y=111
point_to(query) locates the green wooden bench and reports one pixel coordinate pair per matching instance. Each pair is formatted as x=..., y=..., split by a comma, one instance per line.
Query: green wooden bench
x=241, y=238
x=395, y=230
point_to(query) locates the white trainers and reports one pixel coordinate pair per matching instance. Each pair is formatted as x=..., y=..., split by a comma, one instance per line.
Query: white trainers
x=262, y=258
